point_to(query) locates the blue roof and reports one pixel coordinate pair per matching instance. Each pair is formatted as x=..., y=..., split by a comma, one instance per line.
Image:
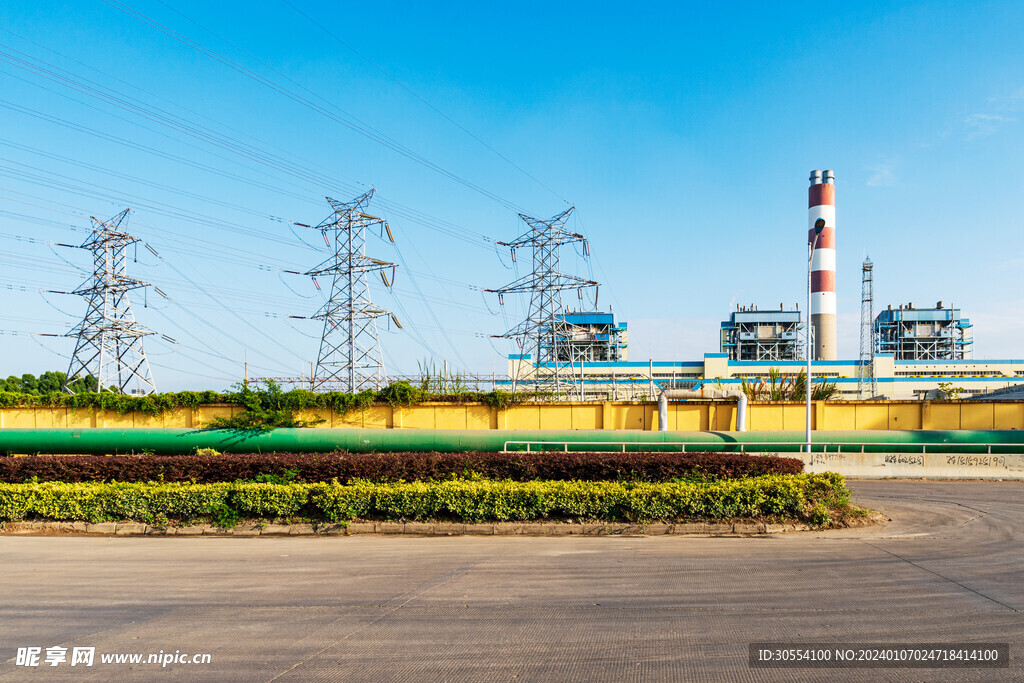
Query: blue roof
x=588, y=318
x=765, y=316
x=919, y=315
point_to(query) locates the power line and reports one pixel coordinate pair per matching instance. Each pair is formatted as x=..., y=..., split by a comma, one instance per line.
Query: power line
x=409, y=214
x=221, y=305
x=300, y=171
x=412, y=92
x=224, y=293
x=426, y=305
x=142, y=181
x=32, y=178
x=329, y=111
x=59, y=181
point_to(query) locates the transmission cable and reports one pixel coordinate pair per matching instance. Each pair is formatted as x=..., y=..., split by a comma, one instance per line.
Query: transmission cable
x=409, y=90
x=350, y=122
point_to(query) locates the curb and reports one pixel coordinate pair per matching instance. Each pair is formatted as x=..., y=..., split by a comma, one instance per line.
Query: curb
x=40, y=528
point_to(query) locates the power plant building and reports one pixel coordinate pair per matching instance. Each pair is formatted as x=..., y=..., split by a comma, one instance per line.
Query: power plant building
x=588, y=337
x=754, y=334
x=923, y=334
x=914, y=349
x=894, y=379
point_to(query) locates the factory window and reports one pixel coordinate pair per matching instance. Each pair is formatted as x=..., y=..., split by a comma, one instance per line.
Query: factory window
x=937, y=373
x=785, y=375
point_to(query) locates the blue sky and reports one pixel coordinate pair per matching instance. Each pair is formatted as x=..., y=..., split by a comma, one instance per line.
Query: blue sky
x=683, y=133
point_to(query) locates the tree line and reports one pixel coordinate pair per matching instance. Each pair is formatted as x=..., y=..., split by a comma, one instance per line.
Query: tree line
x=46, y=383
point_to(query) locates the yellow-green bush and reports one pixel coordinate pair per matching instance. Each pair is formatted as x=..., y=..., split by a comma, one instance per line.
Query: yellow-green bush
x=467, y=500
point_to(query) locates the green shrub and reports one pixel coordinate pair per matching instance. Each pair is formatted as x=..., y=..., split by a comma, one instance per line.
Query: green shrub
x=266, y=407
x=806, y=496
x=269, y=500
x=153, y=404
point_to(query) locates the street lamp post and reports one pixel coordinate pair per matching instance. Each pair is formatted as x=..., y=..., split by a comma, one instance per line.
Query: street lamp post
x=819, y=225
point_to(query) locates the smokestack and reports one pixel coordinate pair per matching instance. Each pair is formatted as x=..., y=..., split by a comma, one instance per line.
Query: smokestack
x=821, y=203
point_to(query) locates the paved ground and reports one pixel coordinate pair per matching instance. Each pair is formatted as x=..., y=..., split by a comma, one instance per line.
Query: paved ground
x=948, y=568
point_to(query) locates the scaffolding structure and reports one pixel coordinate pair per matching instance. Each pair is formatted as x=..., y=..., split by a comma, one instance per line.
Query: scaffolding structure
x=768, y=335
x=350, y=353
x=866, y=370
x=920, y=334
x=545, y=333
x=109, y=341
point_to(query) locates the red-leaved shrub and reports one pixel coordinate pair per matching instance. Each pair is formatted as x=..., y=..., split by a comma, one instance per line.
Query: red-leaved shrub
x=396, y=467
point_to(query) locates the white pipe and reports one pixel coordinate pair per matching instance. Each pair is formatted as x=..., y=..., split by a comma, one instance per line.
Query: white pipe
x=741, y=403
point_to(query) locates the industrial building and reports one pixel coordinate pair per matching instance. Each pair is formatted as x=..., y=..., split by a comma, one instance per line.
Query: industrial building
x=894, y=379
x=920, y=334
x=911, y=350
x=753, y=334
x=589, y=337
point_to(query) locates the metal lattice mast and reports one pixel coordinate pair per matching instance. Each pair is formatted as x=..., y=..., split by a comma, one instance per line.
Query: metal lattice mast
x=544, y=334
x=109, y=345
x=866, y=368
x=350, y=353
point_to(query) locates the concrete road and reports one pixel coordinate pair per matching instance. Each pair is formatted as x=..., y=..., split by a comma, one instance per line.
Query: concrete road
x=947, y=569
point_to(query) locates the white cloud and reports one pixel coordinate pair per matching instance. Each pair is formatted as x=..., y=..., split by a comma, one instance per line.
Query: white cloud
x=1000, y=112
x=881, y=175
x=983, y=125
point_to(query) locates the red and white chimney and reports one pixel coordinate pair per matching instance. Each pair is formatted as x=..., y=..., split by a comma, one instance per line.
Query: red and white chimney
x=821, y=203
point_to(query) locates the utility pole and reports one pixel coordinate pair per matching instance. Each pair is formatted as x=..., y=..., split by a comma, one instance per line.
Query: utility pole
x=350, y=353
x=109, y=345
x=544, y=334
x=866, y=367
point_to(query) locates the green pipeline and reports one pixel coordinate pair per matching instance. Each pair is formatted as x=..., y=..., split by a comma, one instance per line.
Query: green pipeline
x=180, y=441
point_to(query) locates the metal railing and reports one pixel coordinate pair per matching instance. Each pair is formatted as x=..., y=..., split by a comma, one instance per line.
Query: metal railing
x=793, y=446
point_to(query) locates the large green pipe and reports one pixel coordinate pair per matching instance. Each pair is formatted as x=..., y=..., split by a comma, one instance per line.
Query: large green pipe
x=177, y=441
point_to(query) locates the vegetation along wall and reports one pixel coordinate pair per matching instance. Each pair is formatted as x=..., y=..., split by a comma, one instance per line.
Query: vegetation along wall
x=682, y=416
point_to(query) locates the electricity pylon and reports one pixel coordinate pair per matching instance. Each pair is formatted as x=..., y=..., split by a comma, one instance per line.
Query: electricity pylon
x=350, y=353
x=109, y=345
x=545, y=335
x=866, y=367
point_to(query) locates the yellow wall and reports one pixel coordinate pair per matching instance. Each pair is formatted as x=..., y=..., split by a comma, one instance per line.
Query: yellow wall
x=682, y=416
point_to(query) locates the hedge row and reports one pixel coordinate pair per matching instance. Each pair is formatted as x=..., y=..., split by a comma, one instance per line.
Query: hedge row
x=397, y=467
x=807, y=496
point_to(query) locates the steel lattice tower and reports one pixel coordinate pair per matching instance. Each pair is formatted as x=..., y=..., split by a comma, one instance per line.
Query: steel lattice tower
x=866, y=368
x=544, y=334
x=109, y=345
x=350, y=353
